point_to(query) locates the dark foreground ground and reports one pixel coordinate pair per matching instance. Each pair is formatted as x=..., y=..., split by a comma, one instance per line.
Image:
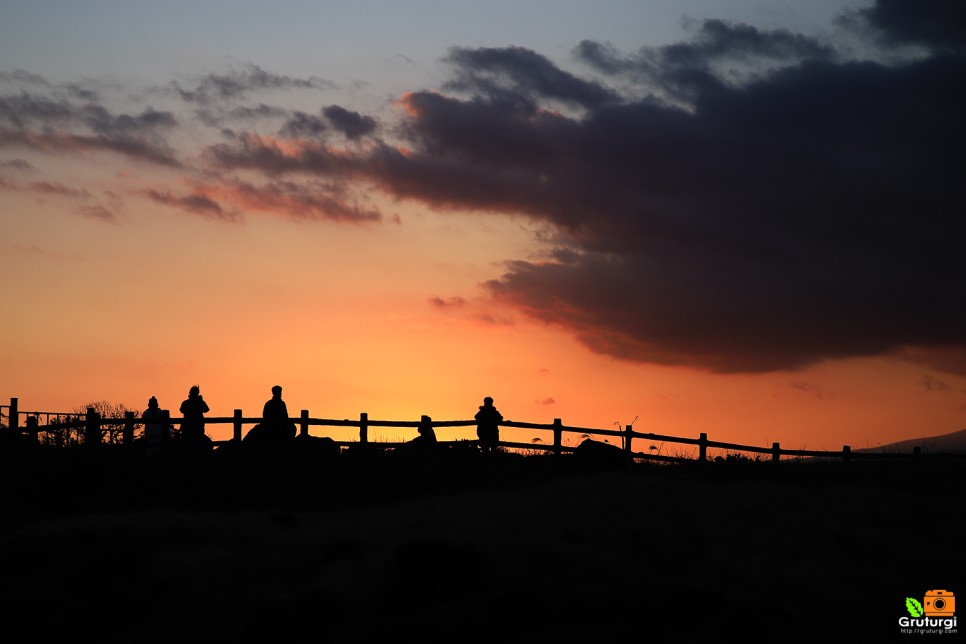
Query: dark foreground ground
x=456, y=548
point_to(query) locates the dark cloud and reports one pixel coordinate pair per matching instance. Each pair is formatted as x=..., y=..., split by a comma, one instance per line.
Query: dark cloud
x=723, y=40
x=804, y=212
x=720, y=53
x=24, y=111
x=517, y=74
x=715, y=40
x=935, y=24
x=50, y=142
x=47, y=124
x=20, y=111
x=237, y=84
x=352, y=124
x=147, y=122
x=268, y=156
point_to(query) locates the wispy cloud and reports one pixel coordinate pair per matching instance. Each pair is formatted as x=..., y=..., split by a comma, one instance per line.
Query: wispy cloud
x=810, y=388
x=931, y=384
x=196, y=203
x=18, y=165
x=36, y=250
x=58, y=188
x=51, y=142
x=455, y=302
x=98, y=211
x=46, y=124
x=239, y=83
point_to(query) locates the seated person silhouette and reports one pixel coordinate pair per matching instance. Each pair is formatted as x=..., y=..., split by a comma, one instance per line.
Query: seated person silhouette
x=488, y=421
x=427, y=435
x=276, y=427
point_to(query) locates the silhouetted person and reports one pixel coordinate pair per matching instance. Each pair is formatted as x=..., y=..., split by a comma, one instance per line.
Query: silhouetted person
x=275, y=415
x=427, y=435
x=488, y=421
x=193, y=425
x=276, y=427
x=155, y=430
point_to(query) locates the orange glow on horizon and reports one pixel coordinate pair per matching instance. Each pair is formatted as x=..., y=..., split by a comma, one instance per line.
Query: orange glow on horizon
x=342, y=317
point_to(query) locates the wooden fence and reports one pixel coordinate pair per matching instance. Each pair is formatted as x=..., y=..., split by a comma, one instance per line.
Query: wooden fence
x=93, y=428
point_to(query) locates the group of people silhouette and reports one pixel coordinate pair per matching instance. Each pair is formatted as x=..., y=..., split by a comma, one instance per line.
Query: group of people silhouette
x=157, y=426
x=277, y=428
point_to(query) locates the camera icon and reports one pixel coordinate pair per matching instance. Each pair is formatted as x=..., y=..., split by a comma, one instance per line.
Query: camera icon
x=939, y=603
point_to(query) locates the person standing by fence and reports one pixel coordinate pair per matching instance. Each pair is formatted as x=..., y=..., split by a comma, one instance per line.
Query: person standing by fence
x=275, y=416
x=193, y=424
x=488, y=421
x=155, y=430
x=276, y=427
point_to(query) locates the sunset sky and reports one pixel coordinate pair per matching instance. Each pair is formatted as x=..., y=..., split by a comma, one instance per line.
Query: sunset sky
x=744, y=218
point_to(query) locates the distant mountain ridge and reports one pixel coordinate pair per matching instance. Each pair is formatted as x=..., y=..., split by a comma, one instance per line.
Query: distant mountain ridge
x=954, y=443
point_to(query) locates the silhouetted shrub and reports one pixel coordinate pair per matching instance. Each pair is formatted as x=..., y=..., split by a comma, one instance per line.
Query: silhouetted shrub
x=598, y=454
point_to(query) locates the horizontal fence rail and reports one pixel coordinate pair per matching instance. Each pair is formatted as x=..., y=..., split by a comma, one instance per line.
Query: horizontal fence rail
x=93, y=428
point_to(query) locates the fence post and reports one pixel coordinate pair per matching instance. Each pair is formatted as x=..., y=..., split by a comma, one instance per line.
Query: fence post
x=364, y=428
x=703, y=447
x=776, y=452
x=92, y=428
x=916, y=451
x=628, y=437
x=165, y=425
x=304, y=429
x=846, y=453
x=557, y=435
x=236, y=424
x=13, y=421
x=127, y=435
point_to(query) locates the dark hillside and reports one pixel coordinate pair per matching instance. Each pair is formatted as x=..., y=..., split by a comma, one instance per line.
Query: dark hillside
x=953, y=443
x=367, y=547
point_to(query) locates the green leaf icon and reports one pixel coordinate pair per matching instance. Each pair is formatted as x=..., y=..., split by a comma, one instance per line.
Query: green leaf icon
x=914, y=607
